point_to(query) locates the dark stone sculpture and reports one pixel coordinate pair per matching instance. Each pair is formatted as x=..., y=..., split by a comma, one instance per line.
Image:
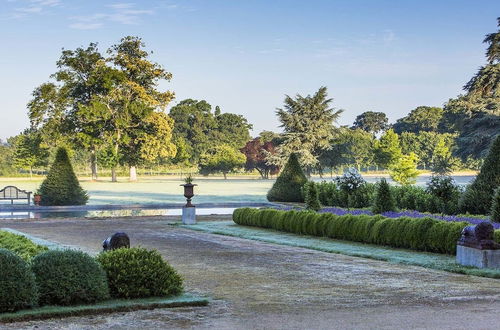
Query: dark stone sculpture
x=116, y=241
x=479, y=237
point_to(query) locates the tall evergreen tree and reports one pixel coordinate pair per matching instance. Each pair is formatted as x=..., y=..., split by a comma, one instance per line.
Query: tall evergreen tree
x=308, y=124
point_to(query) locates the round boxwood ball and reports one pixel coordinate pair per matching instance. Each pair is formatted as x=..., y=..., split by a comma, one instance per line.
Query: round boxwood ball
x=17, y=283
x=138, y=272
x=68, y=277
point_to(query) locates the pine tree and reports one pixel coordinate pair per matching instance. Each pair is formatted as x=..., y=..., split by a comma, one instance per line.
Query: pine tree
x=288, y=185
x=384, y=201
x=61, y=187
x=478, y=195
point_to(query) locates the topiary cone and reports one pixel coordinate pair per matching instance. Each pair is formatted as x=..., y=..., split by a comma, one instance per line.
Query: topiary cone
x=288, y=185
x=61, y=186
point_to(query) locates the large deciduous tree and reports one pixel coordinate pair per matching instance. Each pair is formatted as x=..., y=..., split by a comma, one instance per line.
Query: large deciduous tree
x=387, y=149
x=308, y=124
x=29, y=151
x=420, y=119
x=371, y=122
x=221, y=159
x=256, y=152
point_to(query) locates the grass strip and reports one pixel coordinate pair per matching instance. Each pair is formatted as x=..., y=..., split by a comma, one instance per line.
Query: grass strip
x=109, y=306
x=392, y=255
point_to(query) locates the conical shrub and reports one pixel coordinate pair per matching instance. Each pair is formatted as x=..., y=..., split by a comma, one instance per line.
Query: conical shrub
x=311, y=196
x=495, y=207
x=61, y=186
x=384, y=201
x=288, y=185
x=479, y=194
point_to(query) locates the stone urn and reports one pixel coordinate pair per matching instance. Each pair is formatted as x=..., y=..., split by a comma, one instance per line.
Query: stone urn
x=188, y=193
x=37, y=199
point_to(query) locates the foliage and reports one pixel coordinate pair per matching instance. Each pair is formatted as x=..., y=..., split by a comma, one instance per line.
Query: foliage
x=20, y=245
x=308, y=126
x=420, y=119
x=29, y=151
x=288, y=185
x=495, y=206
x=311, y=196
x=61, y=187
x=256, y=152
x=200, y=129
x=446, y=191
x=17, y=285
x=404, y=169
x=69, y=277
x=424, y=234
x=350, y=180
x=221, y=159
x=383, y=201
x=138, y=272
x=354, y=146
x=443, y=162
x=478, y=195
x=371, y=122
x=387, y=149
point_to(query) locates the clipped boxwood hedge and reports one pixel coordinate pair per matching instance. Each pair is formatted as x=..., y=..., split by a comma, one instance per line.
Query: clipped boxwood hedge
x=138, y=272
x=69, y=277
x=17, y=283
x=20, y=245
x=424, y=234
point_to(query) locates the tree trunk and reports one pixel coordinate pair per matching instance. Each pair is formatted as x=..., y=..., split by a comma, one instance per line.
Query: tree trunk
x=31, y=173
x=225, y=175
x=133, y=173
x=93, y=165
x=113, y=175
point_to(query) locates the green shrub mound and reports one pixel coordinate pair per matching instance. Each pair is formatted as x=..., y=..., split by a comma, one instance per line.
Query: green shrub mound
x=20, y=245
x=61, y=187
x=137, y=272
x=495, y=207
x=288, y=185
x=424, y=234
x=383, y=201
x=311, y=196
x=17, y=283
x=69, y=277
x=478, y=196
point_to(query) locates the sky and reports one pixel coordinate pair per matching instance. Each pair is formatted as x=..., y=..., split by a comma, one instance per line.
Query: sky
x=245, y=56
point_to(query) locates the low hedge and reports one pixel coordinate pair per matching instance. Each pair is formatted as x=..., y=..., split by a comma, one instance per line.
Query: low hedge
x=20, y=245
x=138, y=273
x=69, y=277
x=424, y=234
x=17, y=283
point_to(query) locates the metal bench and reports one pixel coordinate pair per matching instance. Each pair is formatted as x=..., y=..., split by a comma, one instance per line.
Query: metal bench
x=14, y=193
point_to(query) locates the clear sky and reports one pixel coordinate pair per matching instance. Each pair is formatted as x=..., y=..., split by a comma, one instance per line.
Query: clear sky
x=245, y=55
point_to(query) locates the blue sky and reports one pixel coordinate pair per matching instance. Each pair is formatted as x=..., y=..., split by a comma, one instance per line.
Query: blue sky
x=244, y=56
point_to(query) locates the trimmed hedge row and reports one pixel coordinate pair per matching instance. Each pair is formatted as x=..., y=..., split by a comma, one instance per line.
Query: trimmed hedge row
x=424, y=234
x=20, y=245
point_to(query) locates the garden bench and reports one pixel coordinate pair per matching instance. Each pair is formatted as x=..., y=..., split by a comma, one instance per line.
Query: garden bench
x=14, y=193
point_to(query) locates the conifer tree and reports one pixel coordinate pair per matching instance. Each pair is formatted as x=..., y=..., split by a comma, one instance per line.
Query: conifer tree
x=61, y=187
x=384, y=201
x=495, y=207
x=311, y=196
x=288, y=185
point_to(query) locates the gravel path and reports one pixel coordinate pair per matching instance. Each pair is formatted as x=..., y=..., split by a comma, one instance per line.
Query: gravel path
x=265, y=286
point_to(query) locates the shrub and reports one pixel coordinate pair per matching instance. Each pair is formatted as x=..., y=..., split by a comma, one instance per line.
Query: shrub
x=137, y=272
x=384, y=201
x=495, y=207
x=311, y=196
x=288, y=185
x=17, y=283
x=446, y=192
x=327, y=192
x=425, y=234
x=20, y=245
x=479, y=194
x=61, y=187
x=69, y=277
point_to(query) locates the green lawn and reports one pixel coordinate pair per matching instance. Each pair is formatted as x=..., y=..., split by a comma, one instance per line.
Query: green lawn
x=154, y=190
x=109, y=306
x=400, y=256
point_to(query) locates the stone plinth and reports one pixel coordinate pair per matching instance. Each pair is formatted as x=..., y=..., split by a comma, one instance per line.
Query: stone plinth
x=468, y=256
x=189, y=215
